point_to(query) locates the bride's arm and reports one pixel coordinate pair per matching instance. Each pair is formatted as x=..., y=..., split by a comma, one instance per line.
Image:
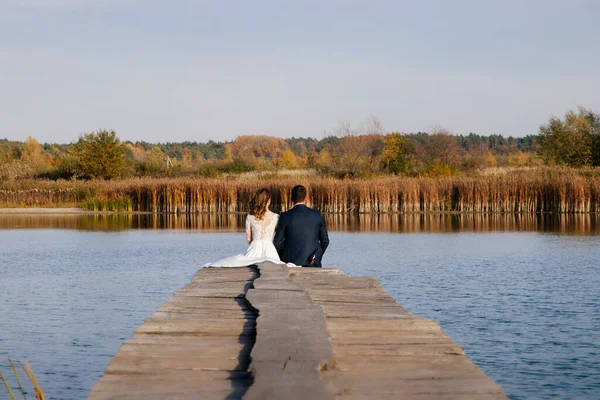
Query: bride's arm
x=248, y=229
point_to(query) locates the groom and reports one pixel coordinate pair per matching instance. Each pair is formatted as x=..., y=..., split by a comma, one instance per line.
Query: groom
x=301, y=235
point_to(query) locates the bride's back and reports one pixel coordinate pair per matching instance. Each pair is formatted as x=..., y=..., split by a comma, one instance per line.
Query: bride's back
x=263, y=229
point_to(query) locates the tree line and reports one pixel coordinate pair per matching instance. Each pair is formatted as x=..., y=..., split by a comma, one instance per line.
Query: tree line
x=350, y=152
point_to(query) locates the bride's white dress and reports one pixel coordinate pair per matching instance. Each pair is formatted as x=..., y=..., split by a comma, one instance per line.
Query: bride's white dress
x=260, y=235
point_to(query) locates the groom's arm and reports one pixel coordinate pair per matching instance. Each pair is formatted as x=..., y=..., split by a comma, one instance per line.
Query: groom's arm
x=279, y=237
x=323, y=236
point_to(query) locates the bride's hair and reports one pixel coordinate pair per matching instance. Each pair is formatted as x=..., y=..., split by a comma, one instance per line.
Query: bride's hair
x=258, y=207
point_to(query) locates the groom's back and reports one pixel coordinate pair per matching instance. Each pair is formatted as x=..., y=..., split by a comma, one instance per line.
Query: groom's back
x=303, y=223
x=301, y=236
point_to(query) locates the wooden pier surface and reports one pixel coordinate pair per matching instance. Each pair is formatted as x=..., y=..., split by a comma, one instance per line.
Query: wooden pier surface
x=272, y=332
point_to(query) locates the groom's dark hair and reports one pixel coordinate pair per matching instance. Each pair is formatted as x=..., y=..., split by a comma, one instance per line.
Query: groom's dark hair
x=298, y=194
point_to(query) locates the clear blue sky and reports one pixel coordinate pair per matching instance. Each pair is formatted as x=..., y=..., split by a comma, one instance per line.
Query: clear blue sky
x=196, y=70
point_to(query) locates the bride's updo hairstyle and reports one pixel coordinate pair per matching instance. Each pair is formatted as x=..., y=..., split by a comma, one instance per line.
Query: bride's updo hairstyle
x=259, y=204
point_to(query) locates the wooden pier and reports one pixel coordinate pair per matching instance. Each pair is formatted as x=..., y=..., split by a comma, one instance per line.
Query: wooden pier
x=273, y=332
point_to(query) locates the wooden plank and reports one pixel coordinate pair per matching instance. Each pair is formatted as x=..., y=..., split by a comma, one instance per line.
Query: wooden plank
x=162, y=385
x=197, y=328
x=196, y=345
x=323, y=297
x=277, y=284
x=185, y=341
x=344, y=283
x=168, y=311
x=292, y=340
x=231, y=351
x=211, y=293
x=375, y=388
x=364, y=311
x=309, y=333
x=382, y=351
x=207, y=303
x=377, y=346
x=139, y=363
x=382, y=324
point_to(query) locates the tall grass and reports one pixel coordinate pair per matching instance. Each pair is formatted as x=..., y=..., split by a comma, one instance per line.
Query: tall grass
x=530, y=191
x=39, y=394
x=121, y=203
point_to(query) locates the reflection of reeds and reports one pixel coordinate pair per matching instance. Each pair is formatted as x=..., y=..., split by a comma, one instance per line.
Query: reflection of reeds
x=584, y=223
x=530, y=191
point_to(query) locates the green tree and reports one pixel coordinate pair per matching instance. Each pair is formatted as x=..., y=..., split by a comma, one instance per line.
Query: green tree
x=574, y=141
x=99, y=155
x=156, y=161
x=396, y=148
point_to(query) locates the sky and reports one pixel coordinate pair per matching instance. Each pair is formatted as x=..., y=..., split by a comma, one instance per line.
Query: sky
x=180, y=70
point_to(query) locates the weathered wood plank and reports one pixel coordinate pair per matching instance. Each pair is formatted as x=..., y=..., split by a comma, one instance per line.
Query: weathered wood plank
x=139, y=363
x=348, y=297
x=185, y=341
x=319, y=334
x=170, y=384
x=207, y=303
x=291, y=340
x=196, y=345
x=231, y=351
x=382, y=351
x=364, y=311
x=375, y=386
x=383, y=324
x=168, y=311
x=211, y=293
x=347, y=346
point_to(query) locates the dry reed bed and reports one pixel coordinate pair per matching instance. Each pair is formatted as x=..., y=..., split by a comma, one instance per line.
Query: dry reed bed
x=530, y=192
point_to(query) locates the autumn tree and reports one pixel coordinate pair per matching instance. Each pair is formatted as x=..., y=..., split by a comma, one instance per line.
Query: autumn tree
x=354, y=153
x=357, y=155
x=439, y=148
x=99, y=155
x=396, y=149
x=259, y=146
x=574, y=141
x=287, y=159
x=33, y=154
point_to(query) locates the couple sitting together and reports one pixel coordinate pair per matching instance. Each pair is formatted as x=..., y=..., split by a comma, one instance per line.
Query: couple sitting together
x=297, y=237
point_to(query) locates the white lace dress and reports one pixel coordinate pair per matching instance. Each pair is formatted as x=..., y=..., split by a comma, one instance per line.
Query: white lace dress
x=260, y=236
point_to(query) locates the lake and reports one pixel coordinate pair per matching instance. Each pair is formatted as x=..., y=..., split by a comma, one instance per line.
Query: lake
x=519, y=292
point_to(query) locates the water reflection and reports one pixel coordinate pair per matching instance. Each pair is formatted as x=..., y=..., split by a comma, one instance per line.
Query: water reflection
x=404, y=223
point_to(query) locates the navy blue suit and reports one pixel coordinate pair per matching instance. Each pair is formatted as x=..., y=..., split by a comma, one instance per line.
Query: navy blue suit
x=300, y=235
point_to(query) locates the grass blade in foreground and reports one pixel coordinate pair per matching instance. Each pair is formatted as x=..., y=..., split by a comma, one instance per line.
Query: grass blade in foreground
x=39, y=394
x=12, y=365
x=7, y=386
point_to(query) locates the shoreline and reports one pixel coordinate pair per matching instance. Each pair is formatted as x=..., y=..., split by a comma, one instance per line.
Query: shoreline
x=82, y=211
x=52, y=211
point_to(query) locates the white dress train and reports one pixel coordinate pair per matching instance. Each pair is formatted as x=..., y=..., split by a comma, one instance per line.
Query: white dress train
x=260, y=235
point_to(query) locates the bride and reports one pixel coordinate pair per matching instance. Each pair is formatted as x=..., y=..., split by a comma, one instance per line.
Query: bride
x=260, y=229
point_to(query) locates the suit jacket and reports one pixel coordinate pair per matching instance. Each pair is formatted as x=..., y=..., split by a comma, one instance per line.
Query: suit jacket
x=301, y=234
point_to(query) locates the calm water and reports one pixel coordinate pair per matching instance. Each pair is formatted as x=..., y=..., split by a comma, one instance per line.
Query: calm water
x=520, y=293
